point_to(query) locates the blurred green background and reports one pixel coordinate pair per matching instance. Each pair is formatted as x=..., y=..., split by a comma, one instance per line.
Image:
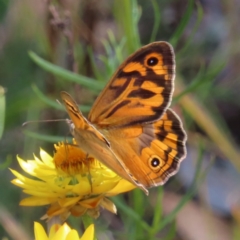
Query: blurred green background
x=91, y=38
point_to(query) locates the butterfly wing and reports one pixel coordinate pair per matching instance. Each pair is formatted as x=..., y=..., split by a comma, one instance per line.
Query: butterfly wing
x=79, y=121
x=131, y=130
x=93, y=142
x=153, y=151
x=140, y=91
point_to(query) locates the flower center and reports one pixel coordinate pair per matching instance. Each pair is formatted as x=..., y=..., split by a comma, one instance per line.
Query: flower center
x=70, y=159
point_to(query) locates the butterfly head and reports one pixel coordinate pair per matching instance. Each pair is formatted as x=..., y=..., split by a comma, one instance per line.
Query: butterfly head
x=71, y=125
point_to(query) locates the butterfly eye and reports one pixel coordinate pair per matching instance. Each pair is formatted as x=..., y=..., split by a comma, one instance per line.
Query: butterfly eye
x=152, y=61
x=154, y=162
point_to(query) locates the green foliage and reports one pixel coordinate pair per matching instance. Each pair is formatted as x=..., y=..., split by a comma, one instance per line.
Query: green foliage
x=65, y=74
x=34, y=86
x=183, y=23
x=2, y=110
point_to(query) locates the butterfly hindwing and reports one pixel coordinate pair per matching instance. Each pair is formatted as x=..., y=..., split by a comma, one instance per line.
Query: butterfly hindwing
x=153, y=151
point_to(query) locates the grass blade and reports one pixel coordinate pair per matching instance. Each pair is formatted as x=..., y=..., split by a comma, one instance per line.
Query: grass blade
x=157, y=20
x=129, y=22
x=132, y=214
x=2, y=110
x=193, y=31
x=183, y=23
x=201, y=79
x=54, y=104
x=47, y=138
x=57, y=71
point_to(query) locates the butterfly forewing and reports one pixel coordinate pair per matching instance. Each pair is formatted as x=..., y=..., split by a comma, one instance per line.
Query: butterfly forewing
x=140, y=91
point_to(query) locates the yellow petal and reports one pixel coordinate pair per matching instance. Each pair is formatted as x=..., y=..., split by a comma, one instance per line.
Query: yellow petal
x=44, y=173
x=28, y=167
x=68, y=201
x=89, y=233
x=37, y=201
x=46, y=158
x=55, y=210
x=91, y=202
x=107, y=186
x=83, y=187
x=41, y=194
x=39, y=232
x=54, y=228
x=19, y=176
x=18, y=183
x=38, y=161
x=62, y=232
x=25, y=182
x=73, y=235
x=122, y=186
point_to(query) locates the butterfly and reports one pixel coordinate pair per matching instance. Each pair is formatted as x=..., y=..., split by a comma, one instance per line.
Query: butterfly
x=131, y=128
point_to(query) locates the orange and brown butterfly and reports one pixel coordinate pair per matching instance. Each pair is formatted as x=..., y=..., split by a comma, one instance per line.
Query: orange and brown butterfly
x=130, y=127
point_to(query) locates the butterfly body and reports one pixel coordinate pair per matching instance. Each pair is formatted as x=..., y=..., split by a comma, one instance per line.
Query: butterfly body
x=130, y=127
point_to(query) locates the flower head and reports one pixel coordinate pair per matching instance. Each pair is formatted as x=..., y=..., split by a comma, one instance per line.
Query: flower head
x=62, y=232
x=71, y=182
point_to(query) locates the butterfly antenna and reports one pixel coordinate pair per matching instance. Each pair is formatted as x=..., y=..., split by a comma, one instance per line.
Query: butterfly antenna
x=44, y=121
x=90, y=176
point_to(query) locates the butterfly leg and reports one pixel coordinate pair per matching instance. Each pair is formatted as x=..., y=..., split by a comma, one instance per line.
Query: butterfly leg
x=89, y=172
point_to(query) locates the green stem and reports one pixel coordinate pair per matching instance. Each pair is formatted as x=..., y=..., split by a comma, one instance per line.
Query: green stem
x=87, y=221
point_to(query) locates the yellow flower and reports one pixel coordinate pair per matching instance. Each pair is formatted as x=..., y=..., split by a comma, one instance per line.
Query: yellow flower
x=71, y=182
x=62, y=232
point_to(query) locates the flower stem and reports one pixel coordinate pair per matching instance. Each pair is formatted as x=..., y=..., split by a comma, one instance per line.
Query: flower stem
x=87, y=221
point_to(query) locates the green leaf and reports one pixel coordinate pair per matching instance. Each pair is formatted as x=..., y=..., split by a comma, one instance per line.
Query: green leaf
x=2, y=110
x=57, y=71
x=132, y=214
x=129, y=22
x=6, y=163
x=201, y=79
x=183, y=23
x=97, y=73
x=47, y=138
x=157, y=19
x=55, y=104
x=193, y=31
x=157, y=212
x=172, y=230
